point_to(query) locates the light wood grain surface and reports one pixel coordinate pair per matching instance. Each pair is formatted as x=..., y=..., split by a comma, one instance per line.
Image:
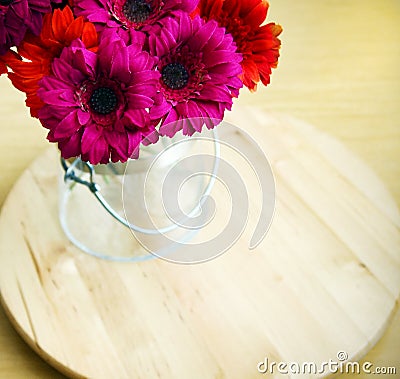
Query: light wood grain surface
x=326, y=278
x=338, y=71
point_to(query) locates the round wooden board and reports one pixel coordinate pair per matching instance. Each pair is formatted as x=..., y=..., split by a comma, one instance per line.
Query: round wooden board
x=325, y=279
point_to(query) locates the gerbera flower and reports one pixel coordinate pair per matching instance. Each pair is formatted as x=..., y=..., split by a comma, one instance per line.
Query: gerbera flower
x=60, y=28
x=130, y=14
x=199, y=70
x=258, y=44
x=19, y=16
x=96, y=103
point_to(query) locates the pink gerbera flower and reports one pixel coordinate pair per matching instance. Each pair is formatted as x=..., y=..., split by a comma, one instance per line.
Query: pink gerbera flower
x=199, y=70
x=96, y=104
x=19, y=16
x=130, y=14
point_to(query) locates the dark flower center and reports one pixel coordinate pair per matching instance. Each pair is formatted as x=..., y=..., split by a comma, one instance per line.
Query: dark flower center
x=60, y=5
x=137, y=11
x=5, y=3
x=103, y=100
x=175, y=75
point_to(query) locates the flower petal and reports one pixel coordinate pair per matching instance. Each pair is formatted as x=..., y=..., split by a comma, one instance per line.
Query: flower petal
x=68, y=126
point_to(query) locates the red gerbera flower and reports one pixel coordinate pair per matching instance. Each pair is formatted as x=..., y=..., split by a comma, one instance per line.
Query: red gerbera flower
x=258, y=44
x=60, y=28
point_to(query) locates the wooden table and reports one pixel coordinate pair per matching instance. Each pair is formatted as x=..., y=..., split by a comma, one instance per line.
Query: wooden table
x=338, y=71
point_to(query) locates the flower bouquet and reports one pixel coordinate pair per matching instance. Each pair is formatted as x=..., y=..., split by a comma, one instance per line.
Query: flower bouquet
x=111, y=78
x=102, y=75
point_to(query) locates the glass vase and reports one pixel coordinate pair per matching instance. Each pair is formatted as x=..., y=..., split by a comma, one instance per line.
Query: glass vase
x=140, y=209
